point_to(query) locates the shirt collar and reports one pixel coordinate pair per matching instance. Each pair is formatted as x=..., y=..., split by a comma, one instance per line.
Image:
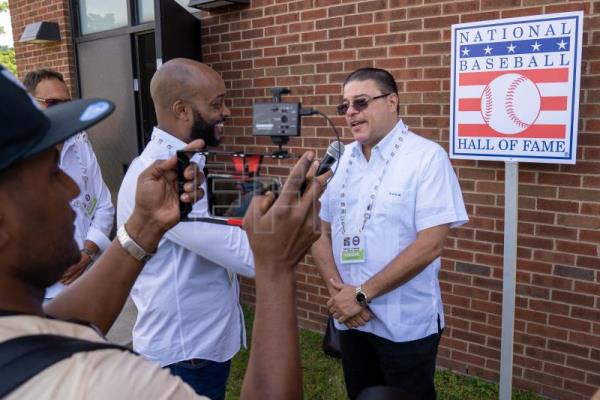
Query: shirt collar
x=166, y=140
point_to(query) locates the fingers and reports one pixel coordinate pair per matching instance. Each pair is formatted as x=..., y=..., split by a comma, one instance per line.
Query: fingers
x=296, y=177
x=195, y=145
x=337, y=285
x=265, y=202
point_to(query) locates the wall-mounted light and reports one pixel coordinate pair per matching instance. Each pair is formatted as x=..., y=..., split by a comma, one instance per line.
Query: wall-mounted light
x=209, y=5
x=41, y=32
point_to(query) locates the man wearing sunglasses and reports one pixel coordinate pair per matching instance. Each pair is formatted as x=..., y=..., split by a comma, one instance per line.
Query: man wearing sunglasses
x=93, y=206
x=385, y=217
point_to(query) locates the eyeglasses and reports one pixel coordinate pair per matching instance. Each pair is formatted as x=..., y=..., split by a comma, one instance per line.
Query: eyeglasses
x=51, y=102
x=358, y=104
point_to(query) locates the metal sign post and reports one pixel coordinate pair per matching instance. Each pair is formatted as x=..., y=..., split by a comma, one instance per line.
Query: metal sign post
x=511, y=195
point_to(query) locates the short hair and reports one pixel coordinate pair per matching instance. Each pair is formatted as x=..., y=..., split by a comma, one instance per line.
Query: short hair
x=382, y=78
x=33, y=78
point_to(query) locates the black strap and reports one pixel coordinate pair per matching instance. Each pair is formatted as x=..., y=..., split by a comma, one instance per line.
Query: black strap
x=24, y=357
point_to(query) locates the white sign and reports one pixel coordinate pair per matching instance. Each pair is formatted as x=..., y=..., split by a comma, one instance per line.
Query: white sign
x=515, y=89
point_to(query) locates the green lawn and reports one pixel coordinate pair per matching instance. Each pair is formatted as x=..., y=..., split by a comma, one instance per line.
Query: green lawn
x=323, y=379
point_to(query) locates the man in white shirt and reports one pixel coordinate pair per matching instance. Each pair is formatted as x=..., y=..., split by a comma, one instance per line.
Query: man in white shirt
x=385, y=216
x=35, y=197
x=189, y=317
x=93, y=207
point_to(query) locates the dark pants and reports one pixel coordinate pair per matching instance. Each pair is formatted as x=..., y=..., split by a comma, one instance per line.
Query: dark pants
x=369, y=360
x=207, y=378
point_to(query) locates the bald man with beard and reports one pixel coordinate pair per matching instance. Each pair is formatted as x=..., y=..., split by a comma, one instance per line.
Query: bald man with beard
x=187, y=296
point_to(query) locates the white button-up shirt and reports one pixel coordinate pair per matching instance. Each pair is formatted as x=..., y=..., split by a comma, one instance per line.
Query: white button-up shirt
x=187, y=295
x=419, y=190
x=93, y=207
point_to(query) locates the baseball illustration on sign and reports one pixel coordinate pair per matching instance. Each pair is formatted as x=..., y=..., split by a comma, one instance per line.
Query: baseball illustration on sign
x=517, y=100
x=515, y=88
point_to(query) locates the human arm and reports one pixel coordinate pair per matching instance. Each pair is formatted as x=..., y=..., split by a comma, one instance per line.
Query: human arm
x=323, y=257
x=98, y=296
x=409, y=263
x=281, y=232
x=101, y=210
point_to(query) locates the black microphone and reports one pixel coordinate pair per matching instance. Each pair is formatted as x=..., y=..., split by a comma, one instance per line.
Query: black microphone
x=334, y=153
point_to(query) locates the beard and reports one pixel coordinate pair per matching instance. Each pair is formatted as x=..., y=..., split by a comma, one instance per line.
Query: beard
x=203, y=130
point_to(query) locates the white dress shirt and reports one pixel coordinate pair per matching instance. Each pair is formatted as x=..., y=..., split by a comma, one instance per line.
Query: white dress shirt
x=187, y=295
x=419, y=190
x=93, y=207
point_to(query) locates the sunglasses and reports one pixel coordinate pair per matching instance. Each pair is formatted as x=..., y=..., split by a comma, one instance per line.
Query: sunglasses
x=51, y=102
x=358, y=104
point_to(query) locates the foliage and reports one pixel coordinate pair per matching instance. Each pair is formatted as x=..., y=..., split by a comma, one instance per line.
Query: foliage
x=8, y=59
x=3, y=7
x=323, y=378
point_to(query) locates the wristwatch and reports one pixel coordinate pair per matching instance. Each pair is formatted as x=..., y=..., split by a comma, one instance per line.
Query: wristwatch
x=130, y=246
x=361, y=297
x=89, y=253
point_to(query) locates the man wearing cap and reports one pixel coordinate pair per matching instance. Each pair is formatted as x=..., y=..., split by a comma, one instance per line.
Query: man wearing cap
x=385, y=217
x=93, y=207
x=37, y=246
x=189, y=316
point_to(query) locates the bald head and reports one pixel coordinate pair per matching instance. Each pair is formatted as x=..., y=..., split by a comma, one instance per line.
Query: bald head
x=184, y=79
x=189, y=100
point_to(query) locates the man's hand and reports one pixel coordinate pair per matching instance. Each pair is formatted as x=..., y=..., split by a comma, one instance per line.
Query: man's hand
x=76, y=270
x=281, y=231
x=343, y=305
x=156, y=197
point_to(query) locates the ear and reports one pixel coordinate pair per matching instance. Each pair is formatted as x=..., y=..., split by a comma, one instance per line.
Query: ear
x=393, y=101
x=182, y=110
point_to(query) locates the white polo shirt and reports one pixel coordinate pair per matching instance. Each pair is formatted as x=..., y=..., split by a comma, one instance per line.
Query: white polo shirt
x=419, y=190
x=94, y=211
x=187, y=295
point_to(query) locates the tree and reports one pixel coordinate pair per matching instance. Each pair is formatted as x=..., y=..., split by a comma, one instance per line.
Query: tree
x=8, y=59
x=3, y=8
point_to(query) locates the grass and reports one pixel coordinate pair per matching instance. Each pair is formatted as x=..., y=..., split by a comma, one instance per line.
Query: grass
x=323, y=378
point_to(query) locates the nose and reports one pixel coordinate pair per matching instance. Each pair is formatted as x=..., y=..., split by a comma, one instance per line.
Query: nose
x=225, y=112
x=351, y=110
x=71, y=186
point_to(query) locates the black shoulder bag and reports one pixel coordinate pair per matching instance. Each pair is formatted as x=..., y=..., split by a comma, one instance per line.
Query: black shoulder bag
x=24, y=357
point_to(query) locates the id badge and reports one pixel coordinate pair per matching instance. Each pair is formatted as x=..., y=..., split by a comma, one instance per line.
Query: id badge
x=353, y=248
x=92, y=202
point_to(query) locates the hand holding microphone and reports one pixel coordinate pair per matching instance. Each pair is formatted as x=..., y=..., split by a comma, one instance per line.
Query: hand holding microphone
x=334, y=153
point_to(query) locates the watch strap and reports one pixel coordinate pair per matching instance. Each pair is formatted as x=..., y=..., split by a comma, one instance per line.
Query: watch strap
x=130, y=246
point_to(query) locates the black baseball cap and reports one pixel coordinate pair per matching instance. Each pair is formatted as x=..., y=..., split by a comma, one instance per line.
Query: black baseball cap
x=26, y=130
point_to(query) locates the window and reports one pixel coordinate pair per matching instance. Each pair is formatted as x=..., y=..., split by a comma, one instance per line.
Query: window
x=146, y=9
x=102, y=15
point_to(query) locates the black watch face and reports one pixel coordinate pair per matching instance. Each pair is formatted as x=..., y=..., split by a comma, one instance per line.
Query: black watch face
x=360, y=297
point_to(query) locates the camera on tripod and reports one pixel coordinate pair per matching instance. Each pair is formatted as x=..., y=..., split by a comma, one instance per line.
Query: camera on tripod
x=277, y=119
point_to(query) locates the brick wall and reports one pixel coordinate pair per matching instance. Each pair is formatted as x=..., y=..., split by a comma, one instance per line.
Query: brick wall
x=311, y=45
x=58, y=56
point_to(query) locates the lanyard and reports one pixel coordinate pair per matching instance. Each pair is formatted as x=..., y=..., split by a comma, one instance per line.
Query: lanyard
x=374, y=190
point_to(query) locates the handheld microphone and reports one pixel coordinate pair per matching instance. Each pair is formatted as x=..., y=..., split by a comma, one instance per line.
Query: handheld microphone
x=334, y=153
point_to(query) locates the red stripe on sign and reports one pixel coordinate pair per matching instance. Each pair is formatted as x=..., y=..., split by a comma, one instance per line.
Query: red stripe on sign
x=534, y=131
x=469, y=105
x=549, y=103
x=536, y=75
x=554, y=103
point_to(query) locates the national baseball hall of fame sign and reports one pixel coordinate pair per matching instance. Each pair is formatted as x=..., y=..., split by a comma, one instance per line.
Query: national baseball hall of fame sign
x=515, y=89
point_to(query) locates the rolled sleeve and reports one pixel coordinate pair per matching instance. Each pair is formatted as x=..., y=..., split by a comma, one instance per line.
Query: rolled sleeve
x=96, y=236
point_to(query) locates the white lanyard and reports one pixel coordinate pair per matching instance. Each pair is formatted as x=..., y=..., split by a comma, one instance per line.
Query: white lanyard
x=374, y=190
